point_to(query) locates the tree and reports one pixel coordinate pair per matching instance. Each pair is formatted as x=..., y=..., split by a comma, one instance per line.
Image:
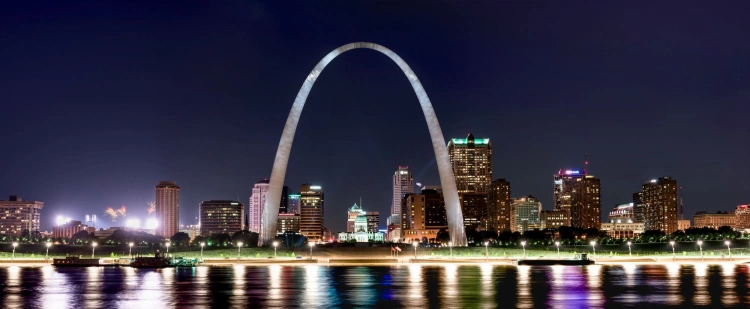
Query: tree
x=219, y=240
x=198, y=240
x=248, y=239
x=82, y=237
x=180, y=239
x=443, y=236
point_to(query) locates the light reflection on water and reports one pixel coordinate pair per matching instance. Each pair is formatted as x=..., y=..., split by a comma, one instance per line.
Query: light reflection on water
x=411, y=286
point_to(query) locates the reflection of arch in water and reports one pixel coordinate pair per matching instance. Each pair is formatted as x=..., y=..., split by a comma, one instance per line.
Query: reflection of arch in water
x=448, y=183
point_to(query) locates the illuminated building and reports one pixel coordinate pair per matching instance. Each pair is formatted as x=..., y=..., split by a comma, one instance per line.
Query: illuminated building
x=743, y=217
x=68, y=229
x=527, y=210
x=423, y=216
x=660, y=198
x=554, y=219
x=293, y=207
x=354, y=212
x=683, y=225
x=623, y=230
x=257, y=202
x=499, y=206
x=639, y=207
x=623, y=213
x=362, y=226
x=288, y=222
x=284, y=205
x=474, y=208
x=403, y=183
x=716, y=220
x=192, y=230
x=585, y=208
x=17, y=216
x=311, y=212
x=167, y=209
x=471, y=160
x=373, y=221
x=222, y=216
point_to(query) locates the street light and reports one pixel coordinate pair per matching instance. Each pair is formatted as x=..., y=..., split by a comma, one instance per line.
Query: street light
x=275, y=243
x=93, y=247
x=312, y=244
x=523, y=245
x=202, y=244
x=486, y=251
x=167, y=244
x=415, y=250
x=130, y=251
x=450, y=247
x=47, y=253
x=13, y=257
x=630, y=252
x=700, y=246
x=557, y=243
x=674, y=255
x=593, y=246
x=239, y=248
x=726, y=242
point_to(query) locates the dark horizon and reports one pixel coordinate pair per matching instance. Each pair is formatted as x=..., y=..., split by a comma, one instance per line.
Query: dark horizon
x=104, y=100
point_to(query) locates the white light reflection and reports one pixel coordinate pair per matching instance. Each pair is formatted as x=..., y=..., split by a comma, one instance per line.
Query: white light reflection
x=312, y=286
x=488, y=288
x=93, y=283
x=701, y=297
x=594, y=296
x=673, y=284
x=415, y=290
x=449, y=291
x=728, y=278
x=150, y=291
x=13, y=287
x=557, y=292
x=274, y=286
x=361, y=282
x=201, y=275
x=167, y=284
x=55, y=293
x=238, y=292
x=524, y=287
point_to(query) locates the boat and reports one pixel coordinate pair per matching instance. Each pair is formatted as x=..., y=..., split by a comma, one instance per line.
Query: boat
x=159, y=261
x=76, y=261
x=579, y=260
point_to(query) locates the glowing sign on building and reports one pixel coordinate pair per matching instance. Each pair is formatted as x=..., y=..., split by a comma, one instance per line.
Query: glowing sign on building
x=572, y=172
x=315, y=187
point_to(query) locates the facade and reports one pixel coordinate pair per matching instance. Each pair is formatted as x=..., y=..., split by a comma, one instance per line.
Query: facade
x=373, y=221
x=17, y=216
x=293, y=207
x=715, y=221
x=471, y=160
x=499, y=206
x=743, y=217
x=362, y=237
x=683, y=225
x=527, y=210
x=622, y=213
x=257, y=201
x=554, y=219
x=474, y=209
x=192, y=230
x=311, y=212
x=221, y=216
x=423, y=216
x=623, y=230
x=68, y=229
x=660, y=198
x=167, y=209
x=403, y=183
x=288, y=222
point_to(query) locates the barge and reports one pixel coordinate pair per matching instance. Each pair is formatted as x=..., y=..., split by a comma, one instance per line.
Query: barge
x=579, y=260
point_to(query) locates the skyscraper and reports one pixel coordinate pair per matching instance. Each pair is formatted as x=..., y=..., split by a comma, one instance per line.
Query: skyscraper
x=19, y=216
x=474, y=209
x=471, y=160
x=403, y=183
x=311, y=209
x=639, y=207
x=284, y=205
x=293, y=205
x=499, y=206
x=578, y=194
x=218, y=217
x=528, y=209
x=167, y=208
x=257, y=201
x=423, y=216
x=660, y=197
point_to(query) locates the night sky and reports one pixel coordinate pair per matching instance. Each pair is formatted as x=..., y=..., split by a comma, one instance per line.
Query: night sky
x=101, y=101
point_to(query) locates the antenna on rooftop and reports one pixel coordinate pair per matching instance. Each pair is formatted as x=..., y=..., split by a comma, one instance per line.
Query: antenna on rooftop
x=586, y=164
x=682, y=206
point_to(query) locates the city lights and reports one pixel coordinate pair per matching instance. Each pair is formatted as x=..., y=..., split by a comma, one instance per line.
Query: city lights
x=700, y=246
x=593, y=246
x=133, y=223
x=557, y=243
x=151, y=224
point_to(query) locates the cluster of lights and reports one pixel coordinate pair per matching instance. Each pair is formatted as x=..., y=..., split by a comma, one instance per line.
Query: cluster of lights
x=60, y=220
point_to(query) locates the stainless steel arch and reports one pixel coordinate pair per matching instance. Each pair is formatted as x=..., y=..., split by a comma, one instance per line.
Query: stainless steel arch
x=448, y=183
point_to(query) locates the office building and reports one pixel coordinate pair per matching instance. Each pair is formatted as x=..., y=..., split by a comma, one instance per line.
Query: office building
x=288, y=222
x=403, y=183
x=293, y=207
x=217, y=217
x=68, y=229
x=17, y=216
x=474, y=209
x=683, y=225
x=527, y=210
x=373, y=221
x=743, y=217
x=622, y=213
x=471, y=160
x=639, y=207
x=623, y=230
x=193, y=230
x=284, y=204
x=311, y=212
x=499, y=206
x=257, y=202
x=585, y=208
x=352, y=214
x=554, y=219
x=716, y=220
x=423, y=216
x=660, y=197
x=167, y=209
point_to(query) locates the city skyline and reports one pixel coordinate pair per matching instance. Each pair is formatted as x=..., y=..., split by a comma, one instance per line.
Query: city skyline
x=112, y=117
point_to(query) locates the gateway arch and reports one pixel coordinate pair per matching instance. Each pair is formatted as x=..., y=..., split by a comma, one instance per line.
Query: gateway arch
x=271, y=208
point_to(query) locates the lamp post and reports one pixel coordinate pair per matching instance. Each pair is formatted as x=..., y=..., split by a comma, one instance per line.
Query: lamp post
x=93, y=247
x=202, y=244
x=486, y=250
x=415, y=250
x=450, y=247
x=557, y=243
x=13, y=257
x=674, y=255
x=593, y=246
x=523, y=245
x=726, y=242
x=630, y=252
x=130, y=251
x=239, y=248
x=700, y=247
x=46, y=254
x=312, y=244
x=167, y=244
x=275, y=243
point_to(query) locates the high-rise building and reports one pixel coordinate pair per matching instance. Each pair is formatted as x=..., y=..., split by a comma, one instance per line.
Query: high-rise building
x=311, y=211
x=403, y=183
x=293, y=207
x=554, y=219
x=474, y=209
x=288, y=223
x=352, y=214
x=622, y=213
x=499, y=206
x=660, y=197
x=528, y=209
x=284, y=205
x=257, y=202
x=17, y=216
x=585, y=211
x=471, y=160
x=221, y=216
x=743, y=216
x=423, y=216
x=167, y=209
x=639, y=207
x=373, y=221
x=566, y=185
